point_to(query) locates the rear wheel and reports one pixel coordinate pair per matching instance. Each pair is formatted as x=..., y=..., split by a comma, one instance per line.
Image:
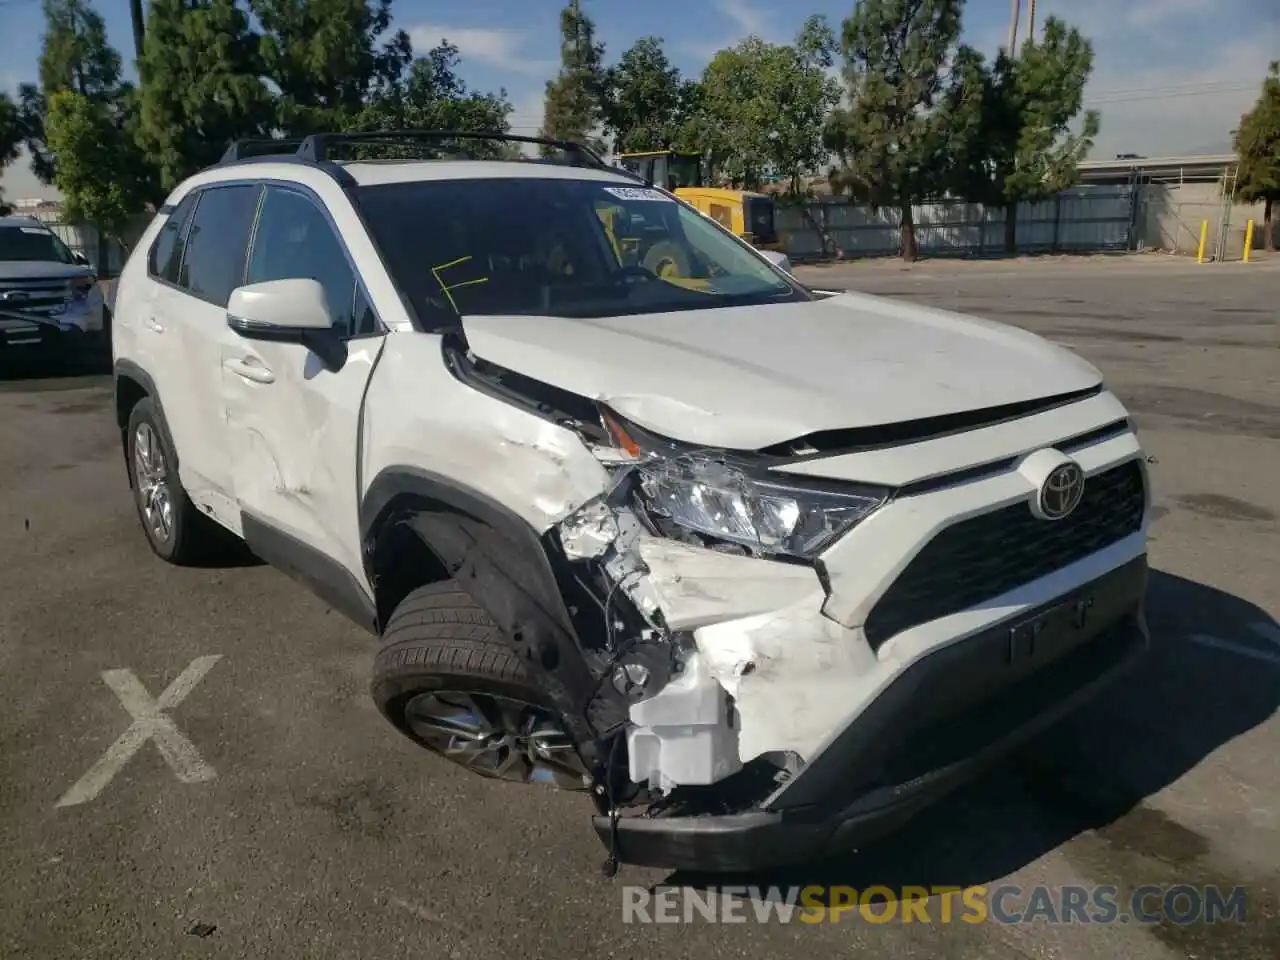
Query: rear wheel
x=447, y=679
x=175, y=529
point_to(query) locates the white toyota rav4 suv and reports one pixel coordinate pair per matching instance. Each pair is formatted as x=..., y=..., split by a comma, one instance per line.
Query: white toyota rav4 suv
x=763, y=569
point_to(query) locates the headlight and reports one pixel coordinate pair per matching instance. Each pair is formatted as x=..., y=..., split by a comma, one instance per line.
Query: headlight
x=713, y=498
x=80, y=287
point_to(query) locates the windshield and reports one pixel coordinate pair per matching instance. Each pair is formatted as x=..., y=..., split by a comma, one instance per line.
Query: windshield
x=684, y=171
x=32, y=244
x=565, y=248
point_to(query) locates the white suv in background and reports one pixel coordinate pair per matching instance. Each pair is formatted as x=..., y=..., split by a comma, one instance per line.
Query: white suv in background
x=764, y=569
x=50, y=300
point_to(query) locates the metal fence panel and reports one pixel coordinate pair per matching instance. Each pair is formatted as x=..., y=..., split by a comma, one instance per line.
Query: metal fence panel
x=1081, y=219
x=106, y=255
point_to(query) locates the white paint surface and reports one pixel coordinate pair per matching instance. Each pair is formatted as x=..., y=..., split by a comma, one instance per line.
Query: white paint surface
x=748, y=377
x=149, y=723
x=417, y=414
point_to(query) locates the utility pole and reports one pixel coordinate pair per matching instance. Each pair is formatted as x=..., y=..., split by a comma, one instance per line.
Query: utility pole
x=1031, y=17
x=139, y=25
x=1013, y=28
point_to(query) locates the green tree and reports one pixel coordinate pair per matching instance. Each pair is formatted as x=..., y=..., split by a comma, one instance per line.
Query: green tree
x=1257, y=142
x=99, y=173
x=327, y=57
x=574, y=104
x=202, y=85
x=893, y=136
x=11, y=137
x=644, y=108
x=74, y=56
x=431, y=96
x=1025, y=150
x=764, y=105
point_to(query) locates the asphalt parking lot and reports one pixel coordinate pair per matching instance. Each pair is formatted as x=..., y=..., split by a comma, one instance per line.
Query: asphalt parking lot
x=289, y=821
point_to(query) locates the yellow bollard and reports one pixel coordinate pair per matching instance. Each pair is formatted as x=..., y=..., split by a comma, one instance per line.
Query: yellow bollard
x=1248, y=241
x=1204, y=238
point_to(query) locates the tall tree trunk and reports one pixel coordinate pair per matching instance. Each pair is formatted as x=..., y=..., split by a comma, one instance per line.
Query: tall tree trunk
x=909, y=249
x=1011, y=228
x=1268, y=233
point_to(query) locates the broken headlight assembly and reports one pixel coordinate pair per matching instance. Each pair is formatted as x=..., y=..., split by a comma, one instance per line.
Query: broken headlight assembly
x=718, y=501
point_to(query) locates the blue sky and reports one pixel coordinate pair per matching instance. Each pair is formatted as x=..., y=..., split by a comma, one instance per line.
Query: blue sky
x=1170, y=76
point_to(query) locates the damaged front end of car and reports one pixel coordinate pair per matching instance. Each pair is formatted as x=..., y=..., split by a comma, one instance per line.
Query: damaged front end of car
x=741, y=715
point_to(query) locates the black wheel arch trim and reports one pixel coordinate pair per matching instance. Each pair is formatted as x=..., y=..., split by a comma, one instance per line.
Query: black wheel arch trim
x=325, y=577
x=127, y=369
x=505, y=564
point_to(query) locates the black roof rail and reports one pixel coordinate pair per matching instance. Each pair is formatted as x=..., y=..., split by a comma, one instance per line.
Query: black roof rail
x=317, y=146
x=244, y=149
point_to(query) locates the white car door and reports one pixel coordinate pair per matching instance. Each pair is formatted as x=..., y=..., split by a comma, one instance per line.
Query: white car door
x=143, y=332
x=293, y=418
x=189, y=317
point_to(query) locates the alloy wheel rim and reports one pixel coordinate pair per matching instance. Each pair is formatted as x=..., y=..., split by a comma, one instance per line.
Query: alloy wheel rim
x=497, y=737
x=152, y=481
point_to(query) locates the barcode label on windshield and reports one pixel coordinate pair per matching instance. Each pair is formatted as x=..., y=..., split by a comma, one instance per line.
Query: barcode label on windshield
x=637, y=193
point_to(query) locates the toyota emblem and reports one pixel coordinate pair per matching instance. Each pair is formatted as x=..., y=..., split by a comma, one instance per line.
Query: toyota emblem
x=1061, y=491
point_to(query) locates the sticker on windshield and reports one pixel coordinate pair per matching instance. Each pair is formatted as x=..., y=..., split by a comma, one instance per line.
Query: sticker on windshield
x=637, y=193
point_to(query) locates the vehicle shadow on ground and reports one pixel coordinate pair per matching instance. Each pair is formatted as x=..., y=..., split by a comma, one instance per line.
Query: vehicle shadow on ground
x=1177, y=705
x=57, y=372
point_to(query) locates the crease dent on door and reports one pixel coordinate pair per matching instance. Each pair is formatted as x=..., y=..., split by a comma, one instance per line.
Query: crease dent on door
x=293, y=466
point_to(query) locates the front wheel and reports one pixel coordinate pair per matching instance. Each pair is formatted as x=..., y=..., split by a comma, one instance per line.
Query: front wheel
x=447, y=679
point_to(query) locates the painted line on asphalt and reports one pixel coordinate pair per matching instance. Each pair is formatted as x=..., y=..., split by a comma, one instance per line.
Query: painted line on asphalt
x=149, y=723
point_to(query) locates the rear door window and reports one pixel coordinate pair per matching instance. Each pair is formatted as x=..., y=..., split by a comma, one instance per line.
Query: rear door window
x=166, y=252
x=213, y=264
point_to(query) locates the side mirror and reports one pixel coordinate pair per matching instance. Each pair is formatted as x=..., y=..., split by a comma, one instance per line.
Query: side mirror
x=81, y=259
x=778, y=259
x=282, y=310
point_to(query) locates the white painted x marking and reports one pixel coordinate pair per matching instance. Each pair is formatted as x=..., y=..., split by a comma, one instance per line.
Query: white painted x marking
x=149, y=723
x=1267, y=631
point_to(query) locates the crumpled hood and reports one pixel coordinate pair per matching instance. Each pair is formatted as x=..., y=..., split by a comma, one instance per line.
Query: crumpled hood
x=749, y=377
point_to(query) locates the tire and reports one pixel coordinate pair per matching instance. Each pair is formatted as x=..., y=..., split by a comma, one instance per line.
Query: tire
x=191, y=537
x=104, y=335
x=440, y=641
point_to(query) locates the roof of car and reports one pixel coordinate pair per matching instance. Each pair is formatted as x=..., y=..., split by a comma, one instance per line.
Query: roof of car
x=21, y=221
x=369, y=173
x=396, y=171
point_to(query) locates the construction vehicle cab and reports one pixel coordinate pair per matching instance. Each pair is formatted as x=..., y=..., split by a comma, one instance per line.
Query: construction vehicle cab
x=749, y=215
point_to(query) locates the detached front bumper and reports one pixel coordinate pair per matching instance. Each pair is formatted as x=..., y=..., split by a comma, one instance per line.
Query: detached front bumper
x=943, y=720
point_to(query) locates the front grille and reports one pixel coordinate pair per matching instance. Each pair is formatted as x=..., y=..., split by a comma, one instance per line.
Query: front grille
x=982, y=557
x=37, y=295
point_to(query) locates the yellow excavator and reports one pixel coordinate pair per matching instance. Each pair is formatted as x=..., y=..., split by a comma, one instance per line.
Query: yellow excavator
x=749, y=215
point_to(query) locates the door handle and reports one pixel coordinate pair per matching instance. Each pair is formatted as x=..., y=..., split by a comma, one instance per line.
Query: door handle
x=250, y=370
x=153, y=324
